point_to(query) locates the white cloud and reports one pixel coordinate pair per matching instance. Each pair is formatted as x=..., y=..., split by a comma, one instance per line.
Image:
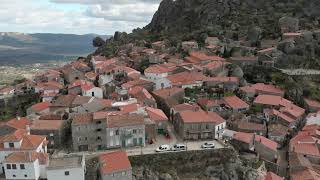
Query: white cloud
x=96, y=16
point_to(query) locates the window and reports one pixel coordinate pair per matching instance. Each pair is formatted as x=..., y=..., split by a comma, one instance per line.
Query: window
x=98, y=138
x=8, y=166
x=123, y=173
x=66, y=173
x=134, y=131
x=51, y=134
x=11, y=145
x=78, y=128
x=22, y=166
x=117, y=132
x=85, y=138
x=111, y=133
x=98, y=122
x=25, y=175
x=92, y=93
x=79, y=139
x=99, y=130
x=14, y=166
x=14, y=175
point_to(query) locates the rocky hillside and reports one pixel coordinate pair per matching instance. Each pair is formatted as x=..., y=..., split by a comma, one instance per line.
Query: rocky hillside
x=232, y=18
x=211, y=164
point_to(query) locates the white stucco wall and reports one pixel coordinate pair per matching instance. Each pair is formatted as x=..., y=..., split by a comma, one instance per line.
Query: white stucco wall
x=32, y=170
x=59, y=174
x=97, y=92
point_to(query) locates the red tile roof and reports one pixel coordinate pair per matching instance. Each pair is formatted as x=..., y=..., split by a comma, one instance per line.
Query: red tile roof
x=223, y=79
x=200, y=117
x=124, y=120
x=25, y=157
x=114, y=162
x=186, y=78
x=47, y=125
x=266, y=142
x=41, y=106
x=271, y=176
x=272, y=100
x=81, y=119
x=160, y=69
x=312, y=103
x=166, y=93
x=261, y=88
x=305, y=174
x=235, y=103
x=19, y=122
x=243, y=137
x=156, y=114
x=199, y=56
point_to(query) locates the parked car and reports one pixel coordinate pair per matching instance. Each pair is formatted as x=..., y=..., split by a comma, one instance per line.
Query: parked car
x=179, y=147
x=163, y=148
x=207, y=145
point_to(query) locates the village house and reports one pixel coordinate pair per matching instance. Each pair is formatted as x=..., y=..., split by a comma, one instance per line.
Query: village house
x=251, y=91
x=159, y=118
x=244, y=60
x=159, y=45
x=81, y=66
x=306, y=143
x=227, y=83
x=92, y=91
x=196, y=125
x=235, y=104
x=157, y=73
x=75, y=88
x=313, y=118
x=54, y=130
x=301, y=167
x=126, y=130
x=188, y=46
x=197, y=57
x=21, y=141
x=91, y=76
x=148, y=85
x=250, y=127
x=89, y=131
x=207, y=104
x=312, y=105
x=26, y=165
x=266, y=148
x=278, y=133
x=216, y=68
x=243, y=141
x=143, y=96
x=281, y=110
x=71, y=74
x=49, y=75
x=62, y=104
x=167, y=98
x=115, y=166
x=186, y=80
x=66, y=168
x=39, y=108
x=212, y=41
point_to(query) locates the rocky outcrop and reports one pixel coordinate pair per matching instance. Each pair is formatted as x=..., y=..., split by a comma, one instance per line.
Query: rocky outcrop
x=230, y=17
x=211, y=164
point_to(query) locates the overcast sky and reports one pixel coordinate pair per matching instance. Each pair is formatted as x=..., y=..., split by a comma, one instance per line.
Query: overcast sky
x=75, y=16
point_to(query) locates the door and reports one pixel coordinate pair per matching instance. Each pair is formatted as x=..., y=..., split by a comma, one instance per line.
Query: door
x=135, y=141
x=124, y=143
x=140, y=141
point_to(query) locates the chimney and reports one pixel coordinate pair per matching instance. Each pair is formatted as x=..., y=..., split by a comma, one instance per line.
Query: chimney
x=28, y=129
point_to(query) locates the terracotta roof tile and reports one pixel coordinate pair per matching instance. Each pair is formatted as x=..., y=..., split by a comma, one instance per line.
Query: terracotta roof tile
x=124, y=120
x=47, y=125
x=266, y=142
x=235, y=102
x=156, y=114
x=41, y=106
x=243, y=137
x=114, y=162
x=271, y=176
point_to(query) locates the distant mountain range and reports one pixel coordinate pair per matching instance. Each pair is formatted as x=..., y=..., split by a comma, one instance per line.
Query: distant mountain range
x=20, y=48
